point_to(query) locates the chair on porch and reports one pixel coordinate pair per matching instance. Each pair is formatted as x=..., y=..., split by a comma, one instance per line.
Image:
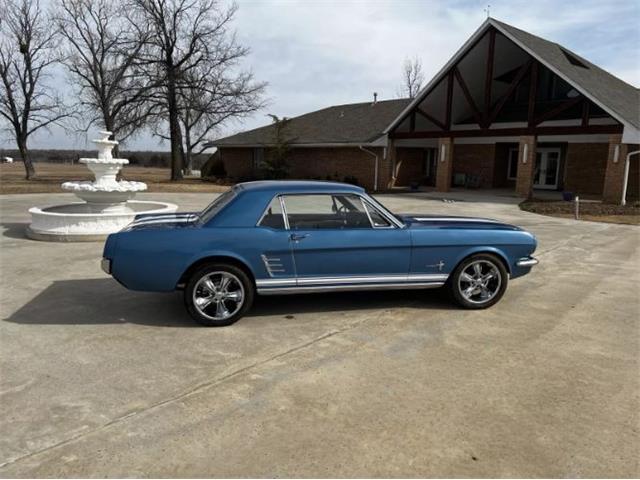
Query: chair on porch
x=473, y=181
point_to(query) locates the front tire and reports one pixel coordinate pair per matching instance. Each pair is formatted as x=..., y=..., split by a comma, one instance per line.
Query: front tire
x=479, y=281
x=218, y=295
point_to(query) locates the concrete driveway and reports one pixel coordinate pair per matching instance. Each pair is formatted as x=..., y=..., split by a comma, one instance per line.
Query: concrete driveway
x=98, y=381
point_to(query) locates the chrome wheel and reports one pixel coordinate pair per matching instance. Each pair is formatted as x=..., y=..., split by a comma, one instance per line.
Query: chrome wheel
x=218, y=295
x=479, y=282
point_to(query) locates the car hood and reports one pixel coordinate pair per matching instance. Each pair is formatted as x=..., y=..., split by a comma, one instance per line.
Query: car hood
x=440, y=221
x=165, y=220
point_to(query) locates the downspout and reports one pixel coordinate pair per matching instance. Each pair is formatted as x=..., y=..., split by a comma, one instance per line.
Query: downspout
x=625, y=181
x=375, y=168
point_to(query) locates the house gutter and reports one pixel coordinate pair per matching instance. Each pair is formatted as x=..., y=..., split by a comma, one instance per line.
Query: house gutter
x=375, y=168
x=625, y=183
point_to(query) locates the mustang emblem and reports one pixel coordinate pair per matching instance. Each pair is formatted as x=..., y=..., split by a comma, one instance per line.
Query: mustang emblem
x=439, y=265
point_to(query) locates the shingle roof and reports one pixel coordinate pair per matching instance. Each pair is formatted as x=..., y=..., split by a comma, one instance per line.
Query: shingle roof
x=606, y=89
x=362, y=123
x=354, y=123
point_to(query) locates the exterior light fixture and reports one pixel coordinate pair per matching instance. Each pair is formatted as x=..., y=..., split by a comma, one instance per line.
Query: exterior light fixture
x=443, y=149
x=616, y=154
x=525, y=152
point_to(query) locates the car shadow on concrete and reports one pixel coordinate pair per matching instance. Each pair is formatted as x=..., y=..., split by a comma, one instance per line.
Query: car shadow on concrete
x=14, y=230
x=102, y=301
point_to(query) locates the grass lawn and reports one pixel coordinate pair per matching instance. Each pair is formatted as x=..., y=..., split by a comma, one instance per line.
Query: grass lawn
x=591, y=211
x=49, y=176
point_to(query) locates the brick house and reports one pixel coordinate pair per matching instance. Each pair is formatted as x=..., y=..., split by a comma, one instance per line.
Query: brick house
x=509, y=110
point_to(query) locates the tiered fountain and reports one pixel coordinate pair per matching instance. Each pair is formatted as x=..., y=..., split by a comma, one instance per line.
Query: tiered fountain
x=107, y=204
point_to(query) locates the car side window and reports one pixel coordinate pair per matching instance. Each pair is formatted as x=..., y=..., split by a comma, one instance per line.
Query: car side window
x=377, y=219
x=325, y=211
x=273, y=217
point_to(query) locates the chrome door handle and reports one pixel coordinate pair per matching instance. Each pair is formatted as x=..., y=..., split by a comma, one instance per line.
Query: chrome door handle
x=296, y=237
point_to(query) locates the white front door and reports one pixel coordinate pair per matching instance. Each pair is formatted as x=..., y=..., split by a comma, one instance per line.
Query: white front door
x=545, y=175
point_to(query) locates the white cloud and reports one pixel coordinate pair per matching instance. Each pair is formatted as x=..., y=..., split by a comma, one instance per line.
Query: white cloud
x=318, y=53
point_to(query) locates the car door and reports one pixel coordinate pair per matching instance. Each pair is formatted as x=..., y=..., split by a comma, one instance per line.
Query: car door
x=275, y=248
x=334, y=240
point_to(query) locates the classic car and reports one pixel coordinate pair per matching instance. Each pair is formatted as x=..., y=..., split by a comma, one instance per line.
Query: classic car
x=288, y=237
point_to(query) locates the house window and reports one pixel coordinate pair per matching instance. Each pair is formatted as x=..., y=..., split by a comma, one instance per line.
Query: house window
x=513, y=164
x=258, y=158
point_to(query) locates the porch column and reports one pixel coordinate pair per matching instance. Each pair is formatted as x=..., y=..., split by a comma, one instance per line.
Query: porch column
x=614, y=174
x=526, y=166
x=444, y=171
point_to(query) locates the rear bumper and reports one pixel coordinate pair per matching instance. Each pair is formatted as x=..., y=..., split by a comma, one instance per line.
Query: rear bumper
x=105, y=265
x=527, y=262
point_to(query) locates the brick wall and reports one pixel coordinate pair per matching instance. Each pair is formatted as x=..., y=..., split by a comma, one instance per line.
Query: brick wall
x=585, y=166
x=238, y=162
x=476, y=160
x=334, y=164
x=314, y=163
x=614, y=174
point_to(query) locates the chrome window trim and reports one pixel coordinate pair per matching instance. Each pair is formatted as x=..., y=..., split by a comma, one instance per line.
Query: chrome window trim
x=367, y=205
x=283, y=207
x=365, y=199
x=383, y=210
x=284, y=217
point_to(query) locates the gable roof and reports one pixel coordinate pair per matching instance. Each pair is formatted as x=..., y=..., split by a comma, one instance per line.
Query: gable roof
x=612, y=94
x=616, y=97
x=354, y=123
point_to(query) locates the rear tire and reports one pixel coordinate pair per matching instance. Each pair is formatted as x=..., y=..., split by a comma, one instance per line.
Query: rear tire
x=479, y=281
x=218, y=294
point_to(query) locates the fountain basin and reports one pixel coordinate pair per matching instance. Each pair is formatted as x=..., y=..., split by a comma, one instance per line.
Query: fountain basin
x=76, y=222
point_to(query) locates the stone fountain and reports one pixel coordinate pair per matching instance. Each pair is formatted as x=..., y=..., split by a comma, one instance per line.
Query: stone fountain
x=107, y=204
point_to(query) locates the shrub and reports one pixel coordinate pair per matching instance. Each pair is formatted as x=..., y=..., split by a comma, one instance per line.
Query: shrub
x=213, y=167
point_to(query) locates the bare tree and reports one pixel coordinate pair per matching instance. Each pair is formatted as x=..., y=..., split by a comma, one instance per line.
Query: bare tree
x=27, y=50
x=214, y=93
x=210, y=101
x=412, y=78
x=185, y=36
x=101, y=49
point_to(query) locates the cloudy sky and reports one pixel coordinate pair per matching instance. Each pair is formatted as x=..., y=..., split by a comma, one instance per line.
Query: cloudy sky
x=316, y=53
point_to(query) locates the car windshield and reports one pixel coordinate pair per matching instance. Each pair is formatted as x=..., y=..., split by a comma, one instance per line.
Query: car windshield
x=218, y=204
x=379, y=206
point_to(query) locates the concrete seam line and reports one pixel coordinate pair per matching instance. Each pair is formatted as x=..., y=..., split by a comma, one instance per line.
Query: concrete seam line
x=193, y=391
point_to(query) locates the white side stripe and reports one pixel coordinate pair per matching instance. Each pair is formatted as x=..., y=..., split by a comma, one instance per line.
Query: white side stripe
x=362, y=280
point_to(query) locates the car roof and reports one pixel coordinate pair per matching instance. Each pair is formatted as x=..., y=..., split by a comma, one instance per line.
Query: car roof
x=297, y=186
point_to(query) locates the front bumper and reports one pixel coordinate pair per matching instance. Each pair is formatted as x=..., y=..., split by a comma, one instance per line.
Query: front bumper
x=105, y=264
x=527, y=262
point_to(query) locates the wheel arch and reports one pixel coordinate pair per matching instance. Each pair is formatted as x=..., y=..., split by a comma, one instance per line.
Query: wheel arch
x=500, y=255
x=215, y=258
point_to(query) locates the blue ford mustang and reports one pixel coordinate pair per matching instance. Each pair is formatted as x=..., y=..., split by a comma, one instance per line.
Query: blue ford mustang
x=284, y=237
